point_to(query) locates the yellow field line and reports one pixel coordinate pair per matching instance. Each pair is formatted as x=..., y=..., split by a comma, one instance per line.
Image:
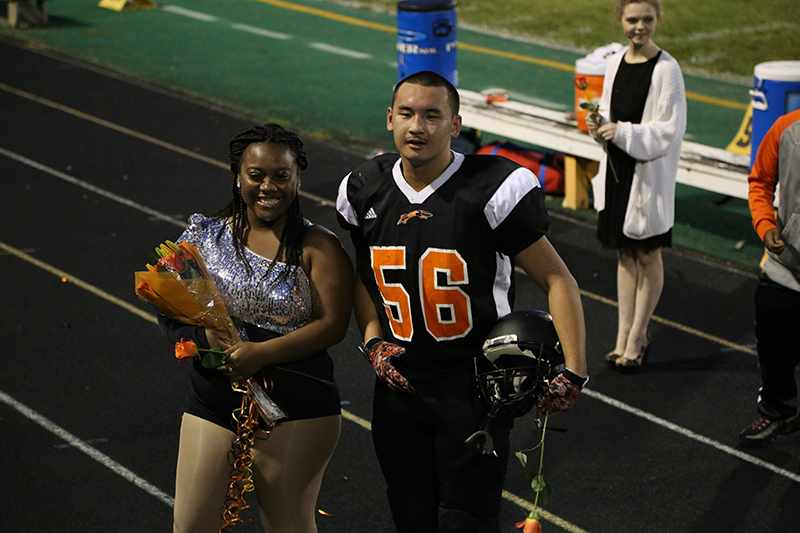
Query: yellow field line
x=517, y=57
x=676, y=325
x=68, y=278
x=138, y=135
x=550, y=517
x=330, y=15
x=477, y=49
x=111, y=125
x=715, y=101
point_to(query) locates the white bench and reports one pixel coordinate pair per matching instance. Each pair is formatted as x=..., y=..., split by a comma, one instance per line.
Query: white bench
x=705, y=167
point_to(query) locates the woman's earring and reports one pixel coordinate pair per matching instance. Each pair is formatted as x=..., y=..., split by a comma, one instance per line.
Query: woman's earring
x=298, y=186
x=238, y=184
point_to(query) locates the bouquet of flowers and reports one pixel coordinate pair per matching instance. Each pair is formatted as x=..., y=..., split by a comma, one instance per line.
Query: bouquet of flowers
x=180, y=287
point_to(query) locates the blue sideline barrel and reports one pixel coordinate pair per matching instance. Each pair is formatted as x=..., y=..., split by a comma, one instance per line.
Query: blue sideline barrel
x=776, y=92
x=426, y=38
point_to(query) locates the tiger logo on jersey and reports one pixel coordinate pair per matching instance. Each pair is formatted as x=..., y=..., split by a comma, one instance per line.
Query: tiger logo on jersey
x=417, y=213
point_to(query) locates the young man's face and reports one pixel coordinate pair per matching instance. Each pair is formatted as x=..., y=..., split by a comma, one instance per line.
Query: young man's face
x=422, y=124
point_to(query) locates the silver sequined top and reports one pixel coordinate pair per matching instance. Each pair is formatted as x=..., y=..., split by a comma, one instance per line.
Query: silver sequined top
x=281, y=307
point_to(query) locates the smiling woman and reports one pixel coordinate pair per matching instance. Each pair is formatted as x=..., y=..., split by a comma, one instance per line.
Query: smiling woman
x=288, y=310
x=640, y=123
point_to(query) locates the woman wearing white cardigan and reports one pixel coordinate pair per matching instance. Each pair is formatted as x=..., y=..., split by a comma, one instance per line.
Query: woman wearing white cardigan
x=641, y=121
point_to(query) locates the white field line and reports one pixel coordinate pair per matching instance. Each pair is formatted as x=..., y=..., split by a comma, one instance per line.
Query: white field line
x=340, y=51
x=92, y=452
x=196, y=15
x=725, y=32
x=267, y=33
x=691, y=435
x=89, y=187
x=262, y=32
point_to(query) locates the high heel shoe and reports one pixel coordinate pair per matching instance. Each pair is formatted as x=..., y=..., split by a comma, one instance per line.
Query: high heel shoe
x=629, y=366
x=611, y=358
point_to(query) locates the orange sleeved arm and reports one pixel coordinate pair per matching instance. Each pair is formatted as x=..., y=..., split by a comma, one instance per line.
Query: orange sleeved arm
x=763, y=178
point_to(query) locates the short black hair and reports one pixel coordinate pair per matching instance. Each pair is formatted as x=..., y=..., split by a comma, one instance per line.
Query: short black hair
x=428, y=78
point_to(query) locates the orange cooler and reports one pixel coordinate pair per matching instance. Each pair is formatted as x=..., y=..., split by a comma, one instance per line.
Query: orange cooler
x=593, y=73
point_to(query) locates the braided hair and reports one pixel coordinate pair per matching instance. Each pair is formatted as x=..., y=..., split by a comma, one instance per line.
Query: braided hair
x=291, y=243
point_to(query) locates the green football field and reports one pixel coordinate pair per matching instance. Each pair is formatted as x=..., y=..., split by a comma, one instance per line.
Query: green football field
x=719, y=38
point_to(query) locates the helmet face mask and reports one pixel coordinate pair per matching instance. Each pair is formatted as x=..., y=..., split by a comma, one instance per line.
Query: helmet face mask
x=520, y=357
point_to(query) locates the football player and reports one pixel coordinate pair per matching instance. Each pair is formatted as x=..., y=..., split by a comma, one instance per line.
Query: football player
x=437, y=235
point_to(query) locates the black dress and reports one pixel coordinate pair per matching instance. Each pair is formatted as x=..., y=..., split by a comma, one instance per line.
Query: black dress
x=628, y=97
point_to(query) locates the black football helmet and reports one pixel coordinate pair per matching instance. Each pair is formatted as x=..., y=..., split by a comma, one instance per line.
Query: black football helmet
x=521, y=355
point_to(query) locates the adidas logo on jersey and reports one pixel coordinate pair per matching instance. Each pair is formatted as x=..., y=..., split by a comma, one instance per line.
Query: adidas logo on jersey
x=370, y=214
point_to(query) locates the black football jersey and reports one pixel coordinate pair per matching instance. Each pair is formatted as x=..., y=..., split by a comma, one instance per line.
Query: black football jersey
x=439, y=262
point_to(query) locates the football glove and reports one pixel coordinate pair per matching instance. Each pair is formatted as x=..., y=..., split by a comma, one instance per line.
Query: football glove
x=563, y=391
x=380, y=354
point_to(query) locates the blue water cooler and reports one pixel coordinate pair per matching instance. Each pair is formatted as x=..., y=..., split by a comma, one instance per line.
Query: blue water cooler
x=776, y=91
x=426, y=38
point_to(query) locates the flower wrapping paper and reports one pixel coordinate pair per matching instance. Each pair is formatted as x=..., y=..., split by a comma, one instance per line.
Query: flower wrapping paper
x=181, y=288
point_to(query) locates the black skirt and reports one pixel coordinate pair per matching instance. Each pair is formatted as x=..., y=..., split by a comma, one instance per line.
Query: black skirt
x=628, y=98
x=297, y=388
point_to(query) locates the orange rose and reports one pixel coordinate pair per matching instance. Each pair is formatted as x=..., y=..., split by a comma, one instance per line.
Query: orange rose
x=186, y=252
x=173, y=261
x=581, y=83
x=530, y=525
x=185, y=350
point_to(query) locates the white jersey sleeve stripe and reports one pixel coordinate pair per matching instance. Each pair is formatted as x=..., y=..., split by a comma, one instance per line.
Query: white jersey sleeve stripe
x=513, y=189
x=502, y=285
x=343, y=204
